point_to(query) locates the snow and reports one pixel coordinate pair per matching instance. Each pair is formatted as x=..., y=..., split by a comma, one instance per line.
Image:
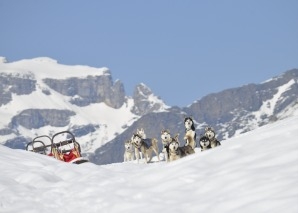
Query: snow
x=254, y=172
x=98, y=114
x=44, y=67
x=268, y=106
x=3, y=59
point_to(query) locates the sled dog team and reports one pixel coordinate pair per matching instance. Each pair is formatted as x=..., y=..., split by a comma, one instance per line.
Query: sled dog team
x=140, y=145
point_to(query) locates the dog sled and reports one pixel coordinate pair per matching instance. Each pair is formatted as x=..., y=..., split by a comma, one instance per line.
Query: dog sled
x=67, y=150
x=62, y=146
x=41, y=144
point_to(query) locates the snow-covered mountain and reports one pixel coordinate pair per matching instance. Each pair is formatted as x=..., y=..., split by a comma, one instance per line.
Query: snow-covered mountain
x=42, y=97
x=253, y=172
x=39, y=96
x=230, y=112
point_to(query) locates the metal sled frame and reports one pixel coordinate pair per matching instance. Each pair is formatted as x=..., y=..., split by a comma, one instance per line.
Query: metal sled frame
x=38, y=145
x=68, y=150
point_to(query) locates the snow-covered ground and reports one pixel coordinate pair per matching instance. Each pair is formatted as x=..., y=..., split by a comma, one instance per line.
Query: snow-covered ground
x=253, y=172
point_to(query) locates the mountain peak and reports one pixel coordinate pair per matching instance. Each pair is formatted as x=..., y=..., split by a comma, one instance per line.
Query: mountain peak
x=143, y=90
x=45, y=59
x=145, y=101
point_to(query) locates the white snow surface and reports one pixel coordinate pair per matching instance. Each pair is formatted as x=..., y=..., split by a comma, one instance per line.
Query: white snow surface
x=253, y=172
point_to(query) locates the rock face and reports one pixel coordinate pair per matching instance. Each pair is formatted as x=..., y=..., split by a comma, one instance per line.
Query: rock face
x=19, y=85
x=145, y=101
x=37, y=118
x=92, y=89
x=230, y=112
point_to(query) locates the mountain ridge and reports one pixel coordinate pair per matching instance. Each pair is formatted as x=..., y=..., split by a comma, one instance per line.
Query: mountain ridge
x=40, y=96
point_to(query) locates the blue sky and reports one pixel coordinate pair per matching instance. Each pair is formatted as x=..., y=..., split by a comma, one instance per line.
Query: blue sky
x=182, y=50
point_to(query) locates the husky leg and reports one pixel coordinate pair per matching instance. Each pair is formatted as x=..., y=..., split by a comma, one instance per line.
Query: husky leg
x=132, y=157
x=146, y=157
x=155, y=147
x=149, y=155
x=156, y=152
x=137, y=154
x=145, y=154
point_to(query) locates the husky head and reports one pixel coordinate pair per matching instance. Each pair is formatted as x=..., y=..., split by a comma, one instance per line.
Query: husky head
x=128, y=145
x=189, y=124
x=173, y=146
x=205, y=142
x=210, y=133
x=166, y=136
x=137, y=139
x=141, y=132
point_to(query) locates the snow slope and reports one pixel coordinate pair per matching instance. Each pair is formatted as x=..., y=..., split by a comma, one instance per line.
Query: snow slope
x=110, y=121
x=253, y=172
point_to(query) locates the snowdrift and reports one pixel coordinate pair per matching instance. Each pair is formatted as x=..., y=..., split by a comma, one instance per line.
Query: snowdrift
x=254, y=172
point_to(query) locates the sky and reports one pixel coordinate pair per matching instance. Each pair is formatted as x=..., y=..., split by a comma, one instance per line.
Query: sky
x=254, y=172
x=182, y=50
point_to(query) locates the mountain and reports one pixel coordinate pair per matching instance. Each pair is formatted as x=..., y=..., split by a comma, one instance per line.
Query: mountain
x=39, y=96
x=230, y=112
x=253, y=172
x=42, y=97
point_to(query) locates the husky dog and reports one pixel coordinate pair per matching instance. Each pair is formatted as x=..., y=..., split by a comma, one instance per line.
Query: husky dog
x=166, y=139
x=129, y=152
x=205, y=143
x=190, y=134
x=176, y=152
x=141, y=132
x=144, y=145
x=210, y=133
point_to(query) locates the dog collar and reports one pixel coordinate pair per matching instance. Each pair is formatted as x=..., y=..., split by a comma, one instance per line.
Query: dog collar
x=136, y=145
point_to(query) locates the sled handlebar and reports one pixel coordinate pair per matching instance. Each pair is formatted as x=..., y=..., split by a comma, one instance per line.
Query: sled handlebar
x=42, y=136
x=65, y=142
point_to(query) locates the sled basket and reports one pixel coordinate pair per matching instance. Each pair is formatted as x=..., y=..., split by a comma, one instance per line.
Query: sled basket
x=67, y=150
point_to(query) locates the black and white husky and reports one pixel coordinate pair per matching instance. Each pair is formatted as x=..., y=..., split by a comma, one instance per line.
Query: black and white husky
x=144, y=145
x=190, y=133
x=166, y=139
x=205, y=143
x=176, y=152
x=210, y=133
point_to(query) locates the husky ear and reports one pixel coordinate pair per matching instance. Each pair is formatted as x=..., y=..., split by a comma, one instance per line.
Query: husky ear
x=176, y=138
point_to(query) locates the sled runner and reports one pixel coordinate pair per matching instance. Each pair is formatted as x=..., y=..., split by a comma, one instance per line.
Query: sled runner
x=41, y=144
x=67, y=150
